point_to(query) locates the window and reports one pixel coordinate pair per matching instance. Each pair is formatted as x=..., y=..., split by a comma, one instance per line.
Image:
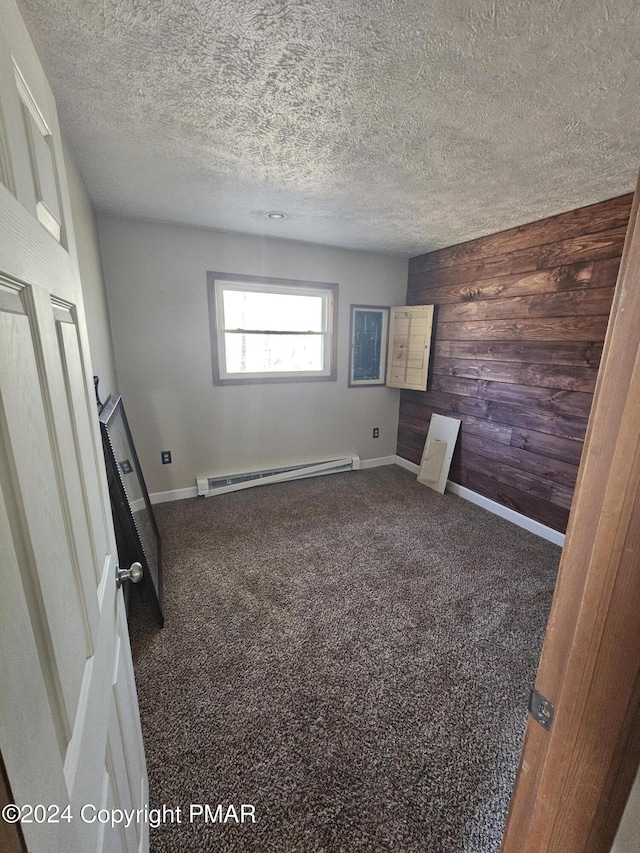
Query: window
x=271, y=330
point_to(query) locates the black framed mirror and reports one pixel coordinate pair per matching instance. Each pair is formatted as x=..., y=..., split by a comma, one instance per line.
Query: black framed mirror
x=137, y=533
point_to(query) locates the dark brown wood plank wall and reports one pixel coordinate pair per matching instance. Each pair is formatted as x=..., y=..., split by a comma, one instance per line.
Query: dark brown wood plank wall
x=518, y=332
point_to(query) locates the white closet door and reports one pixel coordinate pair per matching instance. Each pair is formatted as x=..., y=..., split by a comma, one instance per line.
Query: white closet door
x=69, y=722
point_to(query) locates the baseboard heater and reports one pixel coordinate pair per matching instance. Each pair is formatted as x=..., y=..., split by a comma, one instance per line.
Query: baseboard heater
x=209, y=486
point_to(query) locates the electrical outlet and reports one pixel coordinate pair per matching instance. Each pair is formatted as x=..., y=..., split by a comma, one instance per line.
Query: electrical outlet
x=376, y=432
x=166, y=457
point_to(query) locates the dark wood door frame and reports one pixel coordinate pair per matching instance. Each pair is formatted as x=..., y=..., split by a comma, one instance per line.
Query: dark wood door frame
x=573, y=781
x=11, y=838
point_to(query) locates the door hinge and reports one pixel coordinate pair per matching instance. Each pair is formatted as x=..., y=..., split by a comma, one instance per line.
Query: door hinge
x=541, y=709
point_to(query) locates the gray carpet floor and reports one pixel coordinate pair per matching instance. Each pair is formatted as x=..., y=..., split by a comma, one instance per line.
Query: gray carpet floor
x=351, y=655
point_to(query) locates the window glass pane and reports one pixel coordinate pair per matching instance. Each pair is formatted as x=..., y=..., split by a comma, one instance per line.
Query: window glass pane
x=246, y=309
x=276, y=353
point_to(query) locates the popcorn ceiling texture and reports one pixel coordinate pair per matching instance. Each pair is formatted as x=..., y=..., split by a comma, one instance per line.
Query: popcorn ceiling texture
x=396, y=126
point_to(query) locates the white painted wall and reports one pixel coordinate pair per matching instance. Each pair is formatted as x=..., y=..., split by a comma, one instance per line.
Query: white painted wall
x=157, y=290
x=90, y=265
x=628, y=838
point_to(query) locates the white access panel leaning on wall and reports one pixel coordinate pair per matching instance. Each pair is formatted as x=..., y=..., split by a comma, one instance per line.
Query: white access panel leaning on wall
x=438, y=452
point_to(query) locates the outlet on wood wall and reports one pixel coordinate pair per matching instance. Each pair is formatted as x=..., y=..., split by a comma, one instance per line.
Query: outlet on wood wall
x=519, y=329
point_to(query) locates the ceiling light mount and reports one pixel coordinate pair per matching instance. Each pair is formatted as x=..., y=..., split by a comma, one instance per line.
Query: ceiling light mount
x=276, y=215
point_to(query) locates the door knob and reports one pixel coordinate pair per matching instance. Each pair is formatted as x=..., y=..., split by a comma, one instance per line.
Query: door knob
x=133, y=573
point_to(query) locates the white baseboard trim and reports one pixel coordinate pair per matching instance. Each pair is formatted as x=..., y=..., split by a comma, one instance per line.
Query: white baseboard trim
x=173, y=495
x=511, y=515
x=192, y=492
x=378, y=462
x=410, y=466
x=529, y=524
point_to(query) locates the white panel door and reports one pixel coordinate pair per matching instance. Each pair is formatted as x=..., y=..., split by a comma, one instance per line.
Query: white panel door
x=69, y=722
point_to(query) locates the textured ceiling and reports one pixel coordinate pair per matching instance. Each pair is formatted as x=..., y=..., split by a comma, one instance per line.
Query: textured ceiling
x=396, y=125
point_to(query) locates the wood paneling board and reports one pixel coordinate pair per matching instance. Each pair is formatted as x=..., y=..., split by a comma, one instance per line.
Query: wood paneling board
x=558, y=376
x=602, y=216
x=562, y=495
x=554, y=446
x=516, y=373
x=449, y=287
x=557, y=472
x=575, y=250
x=568, y=426
x=567, y=304
x=566, y=278
x=541, y=329
x=418, y=418
x=519, y=325
x=499, y=371
x=605, y=273
x=591, y=247
x=541, y=399
x=456, y=404
x=532, y=352
x=526, y=396
x=509, y=475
